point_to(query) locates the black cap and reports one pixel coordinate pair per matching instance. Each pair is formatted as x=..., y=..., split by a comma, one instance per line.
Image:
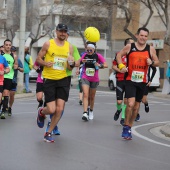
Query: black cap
x=62, y=27
x=13, y=48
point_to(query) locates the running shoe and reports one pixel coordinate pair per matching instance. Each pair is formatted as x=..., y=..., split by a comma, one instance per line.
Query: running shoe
x=116, y=116
x=85, y=116
x=40, y=118
x=3, y=115
x=126, y=133
x=137, y=118
x=91, y=116
x=80, y=102
x=88, y=110
x=146, y=108
x=48, y=137
x=56, y=131
x=9, y=111
x=122, y=121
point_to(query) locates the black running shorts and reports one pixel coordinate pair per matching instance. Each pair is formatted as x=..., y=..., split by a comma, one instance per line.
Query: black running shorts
x=39, y=87
x=120, y=89
x=1, y=88
x=7, y=84
x=56, y=89
x=14, y=86
x=146, y=91
x=136, y=90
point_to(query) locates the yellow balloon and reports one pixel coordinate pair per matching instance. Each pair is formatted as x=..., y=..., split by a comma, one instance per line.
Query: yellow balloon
x=92, y=34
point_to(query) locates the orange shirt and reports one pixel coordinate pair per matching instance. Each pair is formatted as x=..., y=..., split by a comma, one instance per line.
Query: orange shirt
x=137, y=64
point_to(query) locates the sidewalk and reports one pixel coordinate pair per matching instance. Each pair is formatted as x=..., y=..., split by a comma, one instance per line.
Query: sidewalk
x=24, y=95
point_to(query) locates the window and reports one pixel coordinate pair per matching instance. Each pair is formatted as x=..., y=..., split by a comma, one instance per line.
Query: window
x=42, y=29
x=5, y=4
x=3, y=33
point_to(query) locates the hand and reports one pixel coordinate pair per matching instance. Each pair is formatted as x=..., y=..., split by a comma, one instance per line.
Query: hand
x=49, y=64
x=148, y=61
x=84, y=60
x=124, y=70
x=148, y=84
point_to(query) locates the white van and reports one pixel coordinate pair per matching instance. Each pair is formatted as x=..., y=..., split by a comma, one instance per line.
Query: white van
x=156, y=80
x=153, y=86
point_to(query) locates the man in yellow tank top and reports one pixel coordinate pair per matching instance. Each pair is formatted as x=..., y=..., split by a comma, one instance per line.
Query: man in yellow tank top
x=57, y=54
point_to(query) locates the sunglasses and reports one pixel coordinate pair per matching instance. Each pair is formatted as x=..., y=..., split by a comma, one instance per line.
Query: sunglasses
x=89, y=51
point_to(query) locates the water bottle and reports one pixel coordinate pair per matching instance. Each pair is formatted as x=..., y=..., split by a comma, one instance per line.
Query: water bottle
x=96, y=66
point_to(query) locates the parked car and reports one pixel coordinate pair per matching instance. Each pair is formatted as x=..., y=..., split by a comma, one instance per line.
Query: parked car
x=156, y=80
x=112, y=81
x=153, y=86
x=33, y=75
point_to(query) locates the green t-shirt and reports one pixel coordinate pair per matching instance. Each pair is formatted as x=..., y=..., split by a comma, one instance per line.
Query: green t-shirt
x=76, y=56
x=10, y=61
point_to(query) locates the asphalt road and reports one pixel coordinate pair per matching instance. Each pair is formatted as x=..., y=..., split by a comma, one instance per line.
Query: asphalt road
x=92, y=145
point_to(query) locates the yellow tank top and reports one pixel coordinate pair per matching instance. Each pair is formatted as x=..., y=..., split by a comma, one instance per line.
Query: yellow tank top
x=58, y=55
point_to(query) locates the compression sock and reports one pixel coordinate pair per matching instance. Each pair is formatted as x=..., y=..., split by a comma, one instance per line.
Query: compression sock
x=123, y=111
x=5, y=103
x=119, y=106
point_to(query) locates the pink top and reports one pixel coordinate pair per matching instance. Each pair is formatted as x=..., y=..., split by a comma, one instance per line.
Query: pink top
x=39, y=78
x=94, y=78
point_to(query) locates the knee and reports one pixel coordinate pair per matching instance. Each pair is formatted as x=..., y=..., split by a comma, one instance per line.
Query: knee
x=85, y=95
x=130, y=104
x=119, y=102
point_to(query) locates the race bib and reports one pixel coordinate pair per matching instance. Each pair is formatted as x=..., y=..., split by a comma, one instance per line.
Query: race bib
x=60, y=63
x=137, y=76
x=90, y=71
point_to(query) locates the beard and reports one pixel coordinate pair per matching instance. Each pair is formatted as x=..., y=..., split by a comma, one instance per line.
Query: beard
x=61, y=38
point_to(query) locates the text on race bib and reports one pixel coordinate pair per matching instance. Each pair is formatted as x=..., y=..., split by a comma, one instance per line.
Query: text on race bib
x=60, y=63
x=137, y=76
x=90, y=71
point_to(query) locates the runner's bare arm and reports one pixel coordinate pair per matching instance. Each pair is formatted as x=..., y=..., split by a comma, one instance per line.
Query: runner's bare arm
x=119, y=56
x=122, y=53
x=41, y=55
x=70, y=61
x=15, y=61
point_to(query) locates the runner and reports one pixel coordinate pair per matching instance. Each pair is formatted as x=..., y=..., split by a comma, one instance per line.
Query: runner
x=120, y=86
x=146, y=91
x=76, y=57
x=13, y=64
x=90, y=79
x=4, y=69
x=14, y=81
x=139, y=57
x=56, y=53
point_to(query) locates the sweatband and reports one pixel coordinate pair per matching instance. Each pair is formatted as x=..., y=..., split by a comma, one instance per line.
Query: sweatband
x=120, y=66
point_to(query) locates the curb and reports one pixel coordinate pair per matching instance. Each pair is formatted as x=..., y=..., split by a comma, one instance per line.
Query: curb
x=165, y=130
x=159, y=94
x=24, y=95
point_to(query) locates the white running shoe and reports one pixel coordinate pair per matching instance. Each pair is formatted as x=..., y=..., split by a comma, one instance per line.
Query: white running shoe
x=85, y=116
x=91, y=116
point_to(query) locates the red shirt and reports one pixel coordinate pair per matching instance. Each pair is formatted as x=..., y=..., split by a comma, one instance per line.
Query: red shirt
x=120, y=76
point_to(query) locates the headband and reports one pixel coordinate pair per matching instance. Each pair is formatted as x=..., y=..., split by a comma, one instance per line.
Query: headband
x=91, y=45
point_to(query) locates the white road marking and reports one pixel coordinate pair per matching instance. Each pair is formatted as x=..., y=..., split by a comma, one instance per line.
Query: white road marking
x=146, y=138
